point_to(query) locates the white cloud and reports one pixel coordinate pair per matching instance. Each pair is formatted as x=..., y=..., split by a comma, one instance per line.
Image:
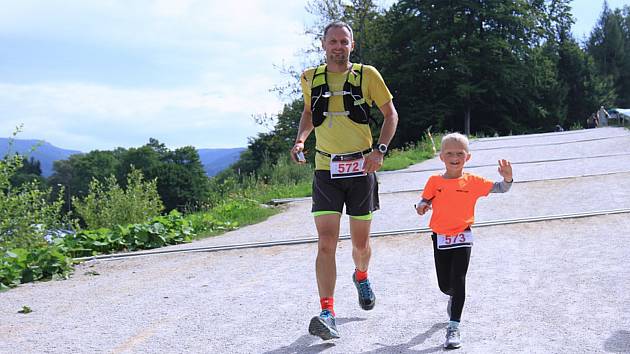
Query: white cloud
x=105, y=117
x=216, y=57
x=146, y=23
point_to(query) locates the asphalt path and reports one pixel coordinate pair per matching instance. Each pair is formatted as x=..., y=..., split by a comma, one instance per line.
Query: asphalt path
x=545, y=287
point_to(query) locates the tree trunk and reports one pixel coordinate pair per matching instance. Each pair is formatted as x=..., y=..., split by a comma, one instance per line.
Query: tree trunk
x=467, y=121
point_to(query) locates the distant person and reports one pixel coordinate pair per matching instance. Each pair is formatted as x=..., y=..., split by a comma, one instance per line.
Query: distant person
x=452, y=196
x=337, y=100
x=602, y=116
x=559, y=128
x=591, y=122
x=595, y=120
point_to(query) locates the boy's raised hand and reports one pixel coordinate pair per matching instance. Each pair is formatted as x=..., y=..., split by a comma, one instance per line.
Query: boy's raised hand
x=505, y=170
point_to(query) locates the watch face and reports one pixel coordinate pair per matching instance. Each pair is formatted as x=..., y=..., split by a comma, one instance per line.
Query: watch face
x=382, y=148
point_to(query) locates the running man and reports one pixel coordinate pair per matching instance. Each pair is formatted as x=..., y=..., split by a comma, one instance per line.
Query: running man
x=337, y=100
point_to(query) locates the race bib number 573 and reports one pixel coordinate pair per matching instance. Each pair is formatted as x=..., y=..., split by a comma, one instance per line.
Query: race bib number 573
x=462, y=239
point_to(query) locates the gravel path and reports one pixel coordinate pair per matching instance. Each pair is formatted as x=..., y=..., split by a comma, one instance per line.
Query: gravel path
x=542, y=195
x=546, y=287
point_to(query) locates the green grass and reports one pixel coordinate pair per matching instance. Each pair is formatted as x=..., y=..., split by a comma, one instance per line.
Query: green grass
x=251, y=205
x=266, y=193
x=234, y=214
x=398, y=159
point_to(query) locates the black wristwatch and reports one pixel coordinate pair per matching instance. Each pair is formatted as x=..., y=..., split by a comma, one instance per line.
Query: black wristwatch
x=382, y=148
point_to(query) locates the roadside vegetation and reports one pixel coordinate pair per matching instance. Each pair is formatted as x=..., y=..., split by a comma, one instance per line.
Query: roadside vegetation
x=38, y=241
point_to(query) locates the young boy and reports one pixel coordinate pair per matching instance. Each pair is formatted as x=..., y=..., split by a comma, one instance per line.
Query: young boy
x=452, y=196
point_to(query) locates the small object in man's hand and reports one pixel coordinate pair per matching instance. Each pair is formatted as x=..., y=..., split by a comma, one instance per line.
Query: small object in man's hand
x=300, y=156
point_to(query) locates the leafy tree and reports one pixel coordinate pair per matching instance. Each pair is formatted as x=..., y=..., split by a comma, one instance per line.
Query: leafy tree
x=586, y=89
x=29, y=171
x=268, y=147
x=182, y=181
x=457, y=65
x=76, y=173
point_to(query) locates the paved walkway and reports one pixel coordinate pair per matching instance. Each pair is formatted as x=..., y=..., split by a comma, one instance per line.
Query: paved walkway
x=545, y=287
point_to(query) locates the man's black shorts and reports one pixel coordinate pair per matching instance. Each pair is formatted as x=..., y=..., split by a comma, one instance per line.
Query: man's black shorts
x=359, y=194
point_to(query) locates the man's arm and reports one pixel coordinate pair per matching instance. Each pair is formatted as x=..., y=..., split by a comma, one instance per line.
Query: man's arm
x=374, y=160
x=304, y=130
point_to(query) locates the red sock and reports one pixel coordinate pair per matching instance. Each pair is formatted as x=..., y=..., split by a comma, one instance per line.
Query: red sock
x=327, y=304
x=360, y=275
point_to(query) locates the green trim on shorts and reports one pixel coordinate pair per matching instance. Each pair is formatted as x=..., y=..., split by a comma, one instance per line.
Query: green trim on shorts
x=325, y=212
x=366, y=217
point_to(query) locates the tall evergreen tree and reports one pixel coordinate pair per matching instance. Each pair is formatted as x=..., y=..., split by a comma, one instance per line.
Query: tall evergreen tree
x=606, y=45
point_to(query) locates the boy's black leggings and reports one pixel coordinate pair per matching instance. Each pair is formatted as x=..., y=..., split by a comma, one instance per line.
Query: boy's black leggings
x=451, y=267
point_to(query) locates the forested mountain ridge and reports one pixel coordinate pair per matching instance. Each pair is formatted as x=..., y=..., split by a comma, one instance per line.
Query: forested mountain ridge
x=40, y=150
x=213, y=160
x=216, y=160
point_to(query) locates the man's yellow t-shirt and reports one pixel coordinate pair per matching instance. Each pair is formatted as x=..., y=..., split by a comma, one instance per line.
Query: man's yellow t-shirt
x=339, y=134
x=453, y=201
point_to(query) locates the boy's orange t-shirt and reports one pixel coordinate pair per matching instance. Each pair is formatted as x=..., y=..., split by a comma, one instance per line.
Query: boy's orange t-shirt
x=453, y=201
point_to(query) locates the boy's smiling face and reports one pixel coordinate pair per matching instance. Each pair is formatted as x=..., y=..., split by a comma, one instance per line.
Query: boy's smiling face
x=454, y=155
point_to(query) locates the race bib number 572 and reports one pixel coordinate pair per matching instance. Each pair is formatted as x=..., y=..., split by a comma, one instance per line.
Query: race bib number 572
x=462, y=239
x=344, y=166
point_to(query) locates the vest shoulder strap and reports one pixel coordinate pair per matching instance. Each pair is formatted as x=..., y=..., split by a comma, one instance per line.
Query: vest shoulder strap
x=355, y=76
x=319, y=76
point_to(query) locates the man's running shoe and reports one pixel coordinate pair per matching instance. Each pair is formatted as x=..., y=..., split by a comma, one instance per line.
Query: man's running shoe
x=324, y=326
x=366, y=295
x=448, y=306
x=452, y=338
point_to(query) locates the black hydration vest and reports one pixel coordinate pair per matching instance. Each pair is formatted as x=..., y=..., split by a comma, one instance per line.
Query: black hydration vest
x=355, y=106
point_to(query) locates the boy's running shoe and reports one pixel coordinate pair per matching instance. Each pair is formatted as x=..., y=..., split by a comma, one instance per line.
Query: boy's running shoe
x=366, y=295
x=453, y=340
x=324, y=326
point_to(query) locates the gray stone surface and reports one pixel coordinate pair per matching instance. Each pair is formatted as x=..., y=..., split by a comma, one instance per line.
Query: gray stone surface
x=545, y=287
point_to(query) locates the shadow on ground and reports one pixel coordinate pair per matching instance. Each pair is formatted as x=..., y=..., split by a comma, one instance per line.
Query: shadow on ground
x=619, y=342
x=417, y=340
x=304, y=344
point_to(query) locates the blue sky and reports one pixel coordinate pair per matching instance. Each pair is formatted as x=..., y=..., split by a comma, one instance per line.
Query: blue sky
x=88, y=75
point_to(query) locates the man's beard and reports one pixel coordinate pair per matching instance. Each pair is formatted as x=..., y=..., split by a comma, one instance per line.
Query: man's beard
x=339, y=59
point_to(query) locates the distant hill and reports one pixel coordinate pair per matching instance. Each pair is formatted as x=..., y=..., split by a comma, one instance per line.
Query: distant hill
x=216, y=160
x=213, y=160
x=46, y=153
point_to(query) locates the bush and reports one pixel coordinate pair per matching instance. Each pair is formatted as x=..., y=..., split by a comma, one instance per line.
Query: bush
x=108, y=204
x=26, y=215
